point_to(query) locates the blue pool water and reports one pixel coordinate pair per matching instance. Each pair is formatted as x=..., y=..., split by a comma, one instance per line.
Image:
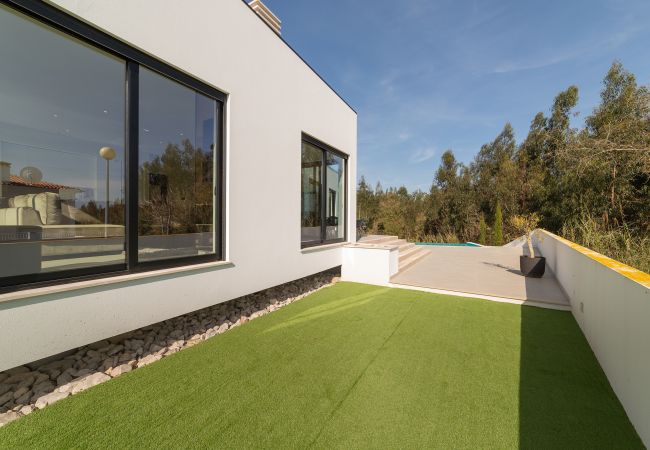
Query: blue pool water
x=436, y=244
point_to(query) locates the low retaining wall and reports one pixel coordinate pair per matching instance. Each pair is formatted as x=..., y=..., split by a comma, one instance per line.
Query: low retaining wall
x=611, y=303
x=369, y=263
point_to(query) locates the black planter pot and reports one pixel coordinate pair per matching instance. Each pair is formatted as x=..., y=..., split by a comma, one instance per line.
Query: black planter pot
x=532, y=267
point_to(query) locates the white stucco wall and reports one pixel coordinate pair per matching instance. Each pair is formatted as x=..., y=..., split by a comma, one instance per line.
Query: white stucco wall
x=611, y=303
x=273, y=98
x=371, y=264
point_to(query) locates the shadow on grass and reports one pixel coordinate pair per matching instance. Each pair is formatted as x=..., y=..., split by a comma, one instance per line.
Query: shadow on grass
x=565, y=400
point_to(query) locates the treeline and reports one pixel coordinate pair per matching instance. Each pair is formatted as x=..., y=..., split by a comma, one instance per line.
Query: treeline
x=590, y=184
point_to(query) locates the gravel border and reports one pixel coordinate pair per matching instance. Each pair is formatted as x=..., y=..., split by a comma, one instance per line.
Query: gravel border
x=25, y=389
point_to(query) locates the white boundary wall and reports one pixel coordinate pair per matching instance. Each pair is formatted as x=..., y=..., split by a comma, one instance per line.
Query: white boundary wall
x=611, y=303
x=371, y=264
x=273, y=97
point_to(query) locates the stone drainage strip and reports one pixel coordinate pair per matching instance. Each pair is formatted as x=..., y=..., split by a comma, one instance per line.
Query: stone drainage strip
x=25, y=389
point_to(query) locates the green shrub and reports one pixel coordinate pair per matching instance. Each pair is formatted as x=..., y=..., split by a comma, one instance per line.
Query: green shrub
x=497, y=239
x=482, y=238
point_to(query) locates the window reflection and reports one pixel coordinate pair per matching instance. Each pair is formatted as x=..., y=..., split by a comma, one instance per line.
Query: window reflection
x=312, y=164
x=61, y=103
x=335, y=197
x=323, y=195
x=176, y=173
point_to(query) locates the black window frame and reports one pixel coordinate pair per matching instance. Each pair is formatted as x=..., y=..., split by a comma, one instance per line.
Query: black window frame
x=59, y=20
x=326, y=148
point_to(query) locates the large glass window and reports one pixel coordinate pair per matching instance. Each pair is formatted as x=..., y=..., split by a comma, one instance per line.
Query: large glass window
x=110, y=161
x=62, y=129
x=176, y=179
x=335, y=197
x=323, y=194
x=312, y=172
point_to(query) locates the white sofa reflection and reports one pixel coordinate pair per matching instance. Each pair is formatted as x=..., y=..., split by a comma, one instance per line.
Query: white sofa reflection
x=59, y=231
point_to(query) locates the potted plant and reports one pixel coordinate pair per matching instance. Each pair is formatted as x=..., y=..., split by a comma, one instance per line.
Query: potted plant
x=530, y=265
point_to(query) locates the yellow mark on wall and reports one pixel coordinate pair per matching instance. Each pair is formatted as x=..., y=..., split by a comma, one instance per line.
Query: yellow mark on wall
x=625, y=270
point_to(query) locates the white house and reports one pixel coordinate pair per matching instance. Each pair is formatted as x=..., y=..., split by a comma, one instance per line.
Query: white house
x=158, y=157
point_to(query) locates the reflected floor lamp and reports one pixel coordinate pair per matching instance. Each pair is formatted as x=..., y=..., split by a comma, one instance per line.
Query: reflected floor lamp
x=108, y=153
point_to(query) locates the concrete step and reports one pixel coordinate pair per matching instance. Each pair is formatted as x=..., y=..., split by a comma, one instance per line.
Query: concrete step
x=405, y=247
x=377, y=239
x=412, y=256
x=408, y=251
x=384, y=240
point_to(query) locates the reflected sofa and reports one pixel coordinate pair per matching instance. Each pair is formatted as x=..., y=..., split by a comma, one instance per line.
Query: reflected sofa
x=65, y=231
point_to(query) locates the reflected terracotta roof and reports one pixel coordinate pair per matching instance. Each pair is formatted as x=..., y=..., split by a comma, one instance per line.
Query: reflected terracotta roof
x=15, y=180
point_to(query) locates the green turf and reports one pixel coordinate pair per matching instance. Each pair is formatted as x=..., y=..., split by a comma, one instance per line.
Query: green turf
x=356, y=366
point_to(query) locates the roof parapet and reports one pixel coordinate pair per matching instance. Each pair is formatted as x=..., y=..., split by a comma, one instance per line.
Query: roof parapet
x=267, y=15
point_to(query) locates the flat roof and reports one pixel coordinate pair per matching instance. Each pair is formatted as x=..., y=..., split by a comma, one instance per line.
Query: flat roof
x=298, y=55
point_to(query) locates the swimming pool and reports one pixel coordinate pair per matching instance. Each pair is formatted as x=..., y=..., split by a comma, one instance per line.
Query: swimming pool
x=438, y=244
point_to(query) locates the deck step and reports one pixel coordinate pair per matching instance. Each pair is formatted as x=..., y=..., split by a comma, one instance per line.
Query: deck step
x=406, y=246
x=411, y=257
x=383, y=240
x=408, y=251
x=377, y=239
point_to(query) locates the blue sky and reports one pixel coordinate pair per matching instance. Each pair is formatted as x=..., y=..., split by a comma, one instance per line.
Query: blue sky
x=429, y=75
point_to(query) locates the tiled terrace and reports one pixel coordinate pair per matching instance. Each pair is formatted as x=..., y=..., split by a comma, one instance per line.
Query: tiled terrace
x=487, y=271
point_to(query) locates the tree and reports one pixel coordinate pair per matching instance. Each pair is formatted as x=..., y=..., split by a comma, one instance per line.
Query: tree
x=590, y=181
x=495, y=173
x=483, y=231
x=498, y=226
x=451, y=204
x=612, y=154
x=365, y=201
x=176, y=191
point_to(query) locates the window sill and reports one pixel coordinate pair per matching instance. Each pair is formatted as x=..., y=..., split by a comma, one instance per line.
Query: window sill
x=318, y=248
x=74, y=286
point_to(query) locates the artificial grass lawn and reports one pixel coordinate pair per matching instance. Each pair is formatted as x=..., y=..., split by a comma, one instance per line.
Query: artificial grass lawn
x=356, y=366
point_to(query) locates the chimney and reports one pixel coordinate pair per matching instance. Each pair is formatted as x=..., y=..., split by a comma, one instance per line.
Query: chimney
x=5, y=177
x=5, y=168
x=266, y=15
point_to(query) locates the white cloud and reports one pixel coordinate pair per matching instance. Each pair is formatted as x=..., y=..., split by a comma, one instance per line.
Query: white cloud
x=581, y=49
x=422, y=155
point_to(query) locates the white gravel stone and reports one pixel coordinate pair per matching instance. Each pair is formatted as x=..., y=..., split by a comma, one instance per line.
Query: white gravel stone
x=148, y=360
x=119, y=370
x=8, y=417
x=50, y=398
x=26, y=409
x=89, y=381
